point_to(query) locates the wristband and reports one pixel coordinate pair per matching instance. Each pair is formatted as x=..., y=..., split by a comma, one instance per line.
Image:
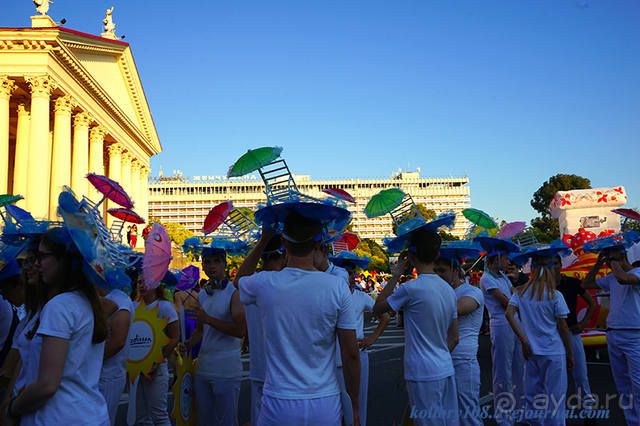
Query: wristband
x=522, y=338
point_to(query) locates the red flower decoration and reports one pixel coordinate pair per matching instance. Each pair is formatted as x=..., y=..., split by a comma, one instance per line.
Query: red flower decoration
x=565, y=202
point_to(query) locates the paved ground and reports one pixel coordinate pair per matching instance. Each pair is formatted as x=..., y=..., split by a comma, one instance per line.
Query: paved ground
x=387, y=400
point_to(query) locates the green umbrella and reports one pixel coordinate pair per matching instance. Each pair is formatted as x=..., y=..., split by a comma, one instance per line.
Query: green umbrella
x=7, y=199
x=480, y=218
x=254, y=159
x=384, y=202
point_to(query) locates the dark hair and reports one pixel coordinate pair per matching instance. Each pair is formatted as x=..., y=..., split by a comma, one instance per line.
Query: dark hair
x=273, y=250
x=425, y=245
x=304, y=231
x=56, y=240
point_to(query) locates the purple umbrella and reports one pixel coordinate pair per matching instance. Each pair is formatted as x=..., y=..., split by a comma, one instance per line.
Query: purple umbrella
x=511, y=229
x=110, y=189
x=189, y=277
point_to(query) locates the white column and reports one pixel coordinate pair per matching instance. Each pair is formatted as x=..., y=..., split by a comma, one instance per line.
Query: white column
x=80, y=155
x=115, y=172
x=7, y=87
x=61, y=150
x=126, y=173
x=21, y=166
x=135, y=185
x=37, y=195
x=144, y=192
x=96, y=157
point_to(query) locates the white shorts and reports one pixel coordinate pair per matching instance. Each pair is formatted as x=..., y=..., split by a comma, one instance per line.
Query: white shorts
x=301, y=412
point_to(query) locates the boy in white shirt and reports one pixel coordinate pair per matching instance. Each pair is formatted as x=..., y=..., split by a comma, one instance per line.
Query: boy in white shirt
x=431, y=327
x=302, y=310
x=623, y=321
x=273, y=259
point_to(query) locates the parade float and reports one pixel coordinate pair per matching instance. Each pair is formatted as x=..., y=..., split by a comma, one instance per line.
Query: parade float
x=584, y=215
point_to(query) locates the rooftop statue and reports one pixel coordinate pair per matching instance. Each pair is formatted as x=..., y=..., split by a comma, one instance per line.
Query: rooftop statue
x=109, y=26
x=42, y=6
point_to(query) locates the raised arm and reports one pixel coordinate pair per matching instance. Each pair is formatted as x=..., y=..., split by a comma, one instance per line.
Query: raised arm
x=381, y=306
x=248, y=267
x=621, y=275
x=589, y=282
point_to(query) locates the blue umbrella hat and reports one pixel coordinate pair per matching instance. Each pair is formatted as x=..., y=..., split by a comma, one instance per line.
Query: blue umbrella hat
x=542, y=251
x=406, y=230
x=620, y=241
x=347, y=259
x=456, y=252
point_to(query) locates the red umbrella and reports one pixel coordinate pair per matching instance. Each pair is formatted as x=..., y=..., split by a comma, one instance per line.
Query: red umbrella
x=350, y=239
x=126, y=215
x=157, y=256
x=216, y=216
x=340, y=193
x=628, y=213
x=110, y=189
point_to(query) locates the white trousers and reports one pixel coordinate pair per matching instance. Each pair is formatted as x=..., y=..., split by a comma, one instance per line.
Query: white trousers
x=434, y=402
x=508, y=373
x=151, y=399
x=112, y=390
x=300, y=412
x=216, y=400
x=364, y=387
x=580, y=376
x=345, y=399
x=624, y=356
x=468, y=388
x=545, y=389
x=256, y=400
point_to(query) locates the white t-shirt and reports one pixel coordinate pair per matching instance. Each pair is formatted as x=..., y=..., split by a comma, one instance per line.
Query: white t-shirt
x=362, y=303
x=29, y=350
x=77, y=401
x=6, y=317
x=469, y=325
x=300, y=312
x=538, y=319
x=166, y=310
x=624, y=308
x=341, y=273
x=502, y=283
x=429, y=306
x=219, y=355
x=115, y=367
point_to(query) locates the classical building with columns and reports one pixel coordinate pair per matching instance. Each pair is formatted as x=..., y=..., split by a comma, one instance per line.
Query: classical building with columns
x=71, y=103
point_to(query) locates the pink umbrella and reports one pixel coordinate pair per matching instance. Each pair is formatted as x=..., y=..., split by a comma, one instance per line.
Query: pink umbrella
x=511, y=229
x=340, y=193
x=216, y=216
x=157, y=256
x=110, y=189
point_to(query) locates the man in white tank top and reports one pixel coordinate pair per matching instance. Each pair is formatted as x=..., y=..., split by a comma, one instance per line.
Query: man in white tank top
x=221, y=326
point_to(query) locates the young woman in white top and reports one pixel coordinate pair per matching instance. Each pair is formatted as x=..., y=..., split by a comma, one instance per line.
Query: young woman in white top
x=72, y=329
x=151, y=398
x=545, y=339
x=470, y=307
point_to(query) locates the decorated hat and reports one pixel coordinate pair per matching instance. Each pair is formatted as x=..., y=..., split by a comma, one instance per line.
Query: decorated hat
x=620, y=240
x=208, y=246
x=495, y=246
x=406, y=229
x=345, y=257
x=556, y=248
x=330, y=212
x=458, y=250
x=8, y=266
x=97, y=266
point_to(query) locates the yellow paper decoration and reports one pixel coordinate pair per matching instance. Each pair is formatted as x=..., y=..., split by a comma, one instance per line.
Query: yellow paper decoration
x=184, y=401
x=146, y=340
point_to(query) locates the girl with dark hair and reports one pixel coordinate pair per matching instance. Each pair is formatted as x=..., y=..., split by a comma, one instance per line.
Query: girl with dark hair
x=68, y=341
x=151, y=396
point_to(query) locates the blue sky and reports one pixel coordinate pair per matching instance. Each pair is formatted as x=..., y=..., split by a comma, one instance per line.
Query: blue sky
x=507, y=92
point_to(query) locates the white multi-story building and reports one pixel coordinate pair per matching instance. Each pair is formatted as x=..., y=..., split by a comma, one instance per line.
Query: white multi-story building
x=188, y=200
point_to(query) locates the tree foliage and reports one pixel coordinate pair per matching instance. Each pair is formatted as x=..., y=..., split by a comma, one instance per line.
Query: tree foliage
x=633, y=225
x=371, y=249
x=177, y=233
x=544, y=226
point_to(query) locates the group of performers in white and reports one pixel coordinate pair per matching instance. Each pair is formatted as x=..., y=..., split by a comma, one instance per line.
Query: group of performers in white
x=65, y=358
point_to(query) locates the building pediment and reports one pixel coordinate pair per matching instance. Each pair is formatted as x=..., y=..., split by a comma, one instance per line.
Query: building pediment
x=104, y=67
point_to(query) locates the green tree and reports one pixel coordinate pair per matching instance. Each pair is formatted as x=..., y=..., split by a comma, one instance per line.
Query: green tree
x=631, y=224
x=177, y=233
x=374, y=251
x=544, y=226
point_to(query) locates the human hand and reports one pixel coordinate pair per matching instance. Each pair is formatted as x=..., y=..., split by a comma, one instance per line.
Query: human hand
x=198, y=313
x=577, y=328
x=526, y=349
x=570, y=362
x=402, y=265
x=366, y=342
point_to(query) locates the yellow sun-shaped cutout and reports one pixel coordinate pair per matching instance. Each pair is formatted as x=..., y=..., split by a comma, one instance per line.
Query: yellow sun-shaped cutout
x=184, y=401
x=146, y=339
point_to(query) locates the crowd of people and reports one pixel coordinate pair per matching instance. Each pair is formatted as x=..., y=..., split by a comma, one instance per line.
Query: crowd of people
x=64, y=341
